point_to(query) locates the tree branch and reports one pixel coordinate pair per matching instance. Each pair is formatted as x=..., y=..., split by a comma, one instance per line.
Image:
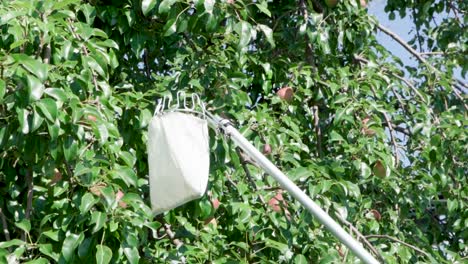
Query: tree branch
x=318, y=130
x=30, y=186
x=401, y=242
x=248, y=174
x=171, y=235
x=392, y=138
x=85, y=51
x=360, y=236
x=405, y=45
x=5, y=225
x=408, y=83
x=424, y=61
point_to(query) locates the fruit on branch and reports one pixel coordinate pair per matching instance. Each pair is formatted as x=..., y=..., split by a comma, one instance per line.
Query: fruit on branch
x=266, y=149
x=91, y=118
x=286, y=93
x=363, y=3
x=331, y=3
x=377, y=215
x=275, y=201
x=211, y=221
x=118, y=197
x=215, y=203
x=379, y=169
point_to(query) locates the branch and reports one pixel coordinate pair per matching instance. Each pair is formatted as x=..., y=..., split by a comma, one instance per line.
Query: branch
x=361, y=237
x=85, y=50
x=408, y=83
x=424, y=61
x=405, y=45
x=401, y=130
x=401, y=242
x=390, y=128
x=244, y=162
x=29, y=182
x=171, y=235
x=147, y=67
x=318, y=131
x=5, y=225
x=433, y=53
x=392, y=137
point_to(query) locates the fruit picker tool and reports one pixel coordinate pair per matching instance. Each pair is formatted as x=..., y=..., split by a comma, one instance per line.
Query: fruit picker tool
x=231, y=132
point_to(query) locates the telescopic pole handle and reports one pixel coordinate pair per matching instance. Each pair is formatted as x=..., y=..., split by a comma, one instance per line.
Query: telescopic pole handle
x=293, y=189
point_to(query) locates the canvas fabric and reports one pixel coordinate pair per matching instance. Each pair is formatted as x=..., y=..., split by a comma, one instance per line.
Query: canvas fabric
x=178, y=159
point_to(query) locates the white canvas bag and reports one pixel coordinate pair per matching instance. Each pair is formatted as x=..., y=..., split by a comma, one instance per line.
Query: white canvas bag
x=178, y=158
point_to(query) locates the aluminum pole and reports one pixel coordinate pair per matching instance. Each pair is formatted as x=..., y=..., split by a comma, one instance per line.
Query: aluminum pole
x=293, y=189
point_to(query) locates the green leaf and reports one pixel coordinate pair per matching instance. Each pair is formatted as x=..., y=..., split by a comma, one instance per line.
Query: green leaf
x=98, y=219
x=108, y=194
x=52, y=234
x=128, y=158
x=300, y=259
x=103, y=254
x=2, y=89
x=23, y=120
x=70, y=148
x=71, y=242
x=93, y=64
x=165, y=6
x=87, y=201
x=170, y=27
x=126, y=174
x=263, y=7
x=268, y=33
x=132, y=254
x=33, y=66
x=36, y=121
x=452, y=205
x=48, y=250
x=35, y=88
x=85, y=247
x=48, y=108
x=244, y=30
x=24, y=225
x=209, y=4
x=13, y=242
x=57, y=93
x=101, y=132
x=38, y=261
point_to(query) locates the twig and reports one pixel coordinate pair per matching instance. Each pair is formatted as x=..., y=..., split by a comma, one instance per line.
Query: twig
x=248, y=174
x=46, y=54
x=69, y=171
x=408, y=83
x=85, y=51
x=401, y=242
x=401, y=130
x=390, y=128
x=318, y=130
x=5, y=225
x=360, y=236
x=397, y=95
x=405, y=45
x=424, y=61
x=431, y=53
x=29, y=182
x=309, y=51
x=147, y=67
x=417, y=28
x=171, y=235
x=392, y=138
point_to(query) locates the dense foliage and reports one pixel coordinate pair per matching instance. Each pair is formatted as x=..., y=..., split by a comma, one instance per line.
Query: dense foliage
x=379, y=145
